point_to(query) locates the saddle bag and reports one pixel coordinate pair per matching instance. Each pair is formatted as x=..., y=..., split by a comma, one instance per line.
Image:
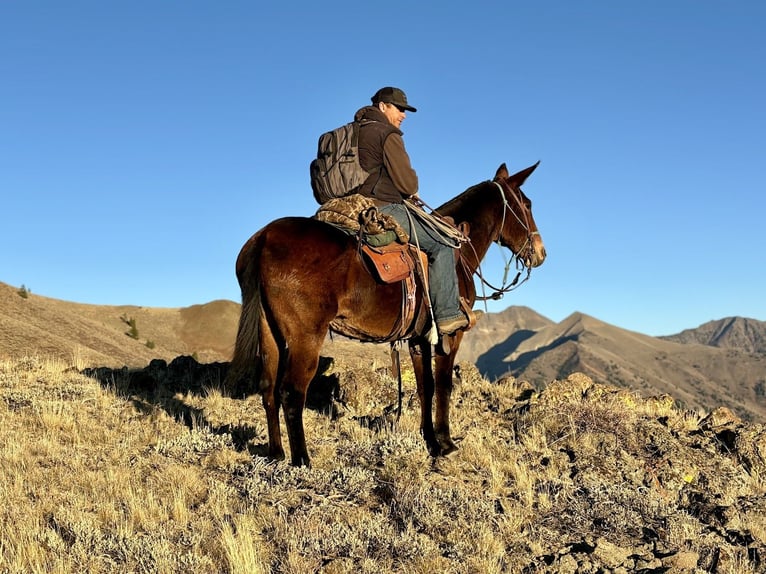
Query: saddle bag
x=390, y=263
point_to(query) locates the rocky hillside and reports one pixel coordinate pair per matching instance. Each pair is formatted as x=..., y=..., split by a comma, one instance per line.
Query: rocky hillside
x=576, y=477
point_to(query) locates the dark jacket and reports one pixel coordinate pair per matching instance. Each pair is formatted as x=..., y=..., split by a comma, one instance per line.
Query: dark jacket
x=382, y=153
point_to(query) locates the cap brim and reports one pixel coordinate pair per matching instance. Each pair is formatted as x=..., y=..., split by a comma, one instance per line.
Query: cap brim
x=398, y=105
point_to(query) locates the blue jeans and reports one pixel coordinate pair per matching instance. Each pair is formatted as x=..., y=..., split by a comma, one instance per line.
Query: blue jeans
x=442, y=274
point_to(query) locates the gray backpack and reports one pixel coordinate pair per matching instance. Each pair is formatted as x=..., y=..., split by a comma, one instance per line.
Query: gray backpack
x=336, y=171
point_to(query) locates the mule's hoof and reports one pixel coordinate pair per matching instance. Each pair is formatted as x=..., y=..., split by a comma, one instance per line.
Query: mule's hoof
x=277, y=455
x=301, y=461
x=450, y=451
x=443, y=451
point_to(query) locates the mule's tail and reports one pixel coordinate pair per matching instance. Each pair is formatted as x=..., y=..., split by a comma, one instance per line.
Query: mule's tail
x=246, y=365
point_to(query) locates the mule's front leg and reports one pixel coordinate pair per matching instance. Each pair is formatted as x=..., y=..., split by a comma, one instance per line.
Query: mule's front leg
x=443, y=384
x=421, y=365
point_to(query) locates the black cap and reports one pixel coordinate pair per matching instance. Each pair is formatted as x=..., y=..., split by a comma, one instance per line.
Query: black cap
x=394, y=96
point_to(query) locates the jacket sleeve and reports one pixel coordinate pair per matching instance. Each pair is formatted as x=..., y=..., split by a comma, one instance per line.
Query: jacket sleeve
x=398, y=165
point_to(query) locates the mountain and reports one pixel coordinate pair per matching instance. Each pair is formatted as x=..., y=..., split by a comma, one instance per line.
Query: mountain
x=721, y=363
x=699, y=376
x=497, y=334
x=732, y=333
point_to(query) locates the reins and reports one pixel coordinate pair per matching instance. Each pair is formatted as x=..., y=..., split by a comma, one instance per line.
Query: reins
x=526, y=249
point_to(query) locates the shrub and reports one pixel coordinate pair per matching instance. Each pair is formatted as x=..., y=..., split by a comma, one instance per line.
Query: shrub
x=130, y=322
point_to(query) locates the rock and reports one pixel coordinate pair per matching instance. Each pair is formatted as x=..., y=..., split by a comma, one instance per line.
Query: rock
x=684, y=561
x=750, y=445
x=720, y=419
x=609, y=554
x=565, y=565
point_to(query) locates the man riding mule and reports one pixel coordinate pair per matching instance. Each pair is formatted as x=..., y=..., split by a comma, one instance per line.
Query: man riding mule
x=393, y=181
x=300, y=277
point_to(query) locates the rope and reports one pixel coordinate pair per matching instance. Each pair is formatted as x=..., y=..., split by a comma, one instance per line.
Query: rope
x=441, y=227
x=433, y=334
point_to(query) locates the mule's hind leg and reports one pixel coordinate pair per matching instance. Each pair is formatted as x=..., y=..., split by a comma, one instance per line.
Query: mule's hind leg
x=270, y=359
x=299, y=369
x=271, y=405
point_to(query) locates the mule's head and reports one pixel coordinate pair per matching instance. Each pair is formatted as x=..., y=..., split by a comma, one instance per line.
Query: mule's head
x=518, y=231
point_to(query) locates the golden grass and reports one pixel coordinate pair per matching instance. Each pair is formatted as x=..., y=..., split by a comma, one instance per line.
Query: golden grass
x=575, y=476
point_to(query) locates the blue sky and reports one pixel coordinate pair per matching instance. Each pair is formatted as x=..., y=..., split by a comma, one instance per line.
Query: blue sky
x=143, y=142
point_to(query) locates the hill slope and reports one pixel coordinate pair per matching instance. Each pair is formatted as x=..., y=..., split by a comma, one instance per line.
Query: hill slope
x=162, y=473
x=96, y=335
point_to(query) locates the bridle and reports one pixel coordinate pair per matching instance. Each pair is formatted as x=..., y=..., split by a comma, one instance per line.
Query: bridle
x=522, y=256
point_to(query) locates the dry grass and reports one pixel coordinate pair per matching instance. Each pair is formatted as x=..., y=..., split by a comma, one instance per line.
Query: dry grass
x=576, y=478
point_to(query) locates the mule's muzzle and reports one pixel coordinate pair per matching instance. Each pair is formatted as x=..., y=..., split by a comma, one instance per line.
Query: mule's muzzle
x=537, y=252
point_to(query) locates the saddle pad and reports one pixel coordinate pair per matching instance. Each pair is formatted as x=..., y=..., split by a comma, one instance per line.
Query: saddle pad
x=390, y=263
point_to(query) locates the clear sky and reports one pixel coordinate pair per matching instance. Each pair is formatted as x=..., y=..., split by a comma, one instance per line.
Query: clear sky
x=143, y=142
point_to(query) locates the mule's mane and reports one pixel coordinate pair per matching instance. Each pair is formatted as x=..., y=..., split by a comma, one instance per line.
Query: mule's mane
x=456, y=204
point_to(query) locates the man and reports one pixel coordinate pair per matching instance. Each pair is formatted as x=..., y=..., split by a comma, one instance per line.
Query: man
x=392, y=180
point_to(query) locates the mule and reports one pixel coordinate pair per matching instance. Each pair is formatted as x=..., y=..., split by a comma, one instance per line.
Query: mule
x=300, y=278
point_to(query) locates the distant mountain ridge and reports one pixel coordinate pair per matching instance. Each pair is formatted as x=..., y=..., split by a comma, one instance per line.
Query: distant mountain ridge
x=720, y=363
x=739, y=333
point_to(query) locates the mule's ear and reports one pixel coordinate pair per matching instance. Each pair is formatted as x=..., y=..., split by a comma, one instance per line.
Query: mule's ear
x=521, y=177
x=502, y=172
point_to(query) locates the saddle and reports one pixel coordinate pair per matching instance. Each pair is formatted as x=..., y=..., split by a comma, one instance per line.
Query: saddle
x=385, y=251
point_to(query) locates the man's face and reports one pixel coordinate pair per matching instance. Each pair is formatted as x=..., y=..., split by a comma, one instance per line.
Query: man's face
x=393, y=113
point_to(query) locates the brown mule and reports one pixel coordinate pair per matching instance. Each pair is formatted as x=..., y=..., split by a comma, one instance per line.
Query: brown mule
x=300, y=278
